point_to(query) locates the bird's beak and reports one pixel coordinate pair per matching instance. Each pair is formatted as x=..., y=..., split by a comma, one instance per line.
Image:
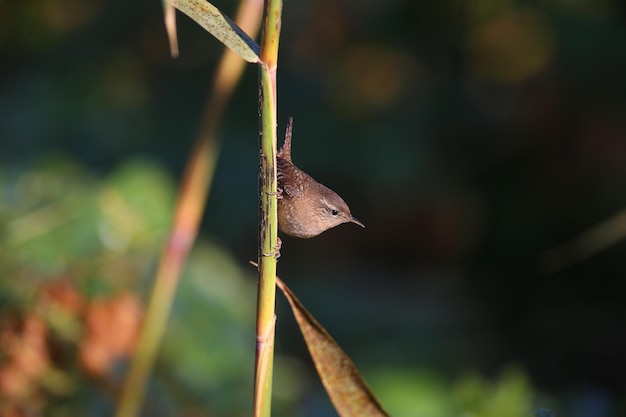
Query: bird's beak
x=355, y=221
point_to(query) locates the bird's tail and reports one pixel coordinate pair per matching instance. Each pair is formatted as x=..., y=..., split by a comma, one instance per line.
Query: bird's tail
x=285, y=151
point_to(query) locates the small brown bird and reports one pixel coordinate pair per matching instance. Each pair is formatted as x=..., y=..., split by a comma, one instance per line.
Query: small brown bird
x=306, y=208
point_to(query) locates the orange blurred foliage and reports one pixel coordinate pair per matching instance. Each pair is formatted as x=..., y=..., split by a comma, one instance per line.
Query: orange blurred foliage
x=111, y=331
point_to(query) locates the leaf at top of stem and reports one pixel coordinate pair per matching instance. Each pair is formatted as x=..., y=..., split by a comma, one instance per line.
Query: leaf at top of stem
x=220, y=26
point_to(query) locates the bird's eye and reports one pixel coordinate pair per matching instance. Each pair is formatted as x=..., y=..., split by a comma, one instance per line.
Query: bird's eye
x=334, y=212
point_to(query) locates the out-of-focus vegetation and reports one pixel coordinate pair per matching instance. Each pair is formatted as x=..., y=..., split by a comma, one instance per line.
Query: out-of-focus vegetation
x=470, y=138
x=77, y=252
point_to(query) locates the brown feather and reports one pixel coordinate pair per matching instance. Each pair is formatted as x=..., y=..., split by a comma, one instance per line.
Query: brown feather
x=306, y=207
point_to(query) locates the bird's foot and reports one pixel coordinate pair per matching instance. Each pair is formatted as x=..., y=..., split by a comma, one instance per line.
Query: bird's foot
x=276, y=251
x=278, y=193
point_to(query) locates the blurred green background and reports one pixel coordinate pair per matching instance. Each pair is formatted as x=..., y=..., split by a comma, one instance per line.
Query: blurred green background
x=471, y=137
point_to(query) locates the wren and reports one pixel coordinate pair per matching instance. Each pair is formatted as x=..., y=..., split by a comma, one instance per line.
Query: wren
x=306, y=208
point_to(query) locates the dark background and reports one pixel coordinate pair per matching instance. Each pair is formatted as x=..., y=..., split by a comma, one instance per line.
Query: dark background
x=471, y=137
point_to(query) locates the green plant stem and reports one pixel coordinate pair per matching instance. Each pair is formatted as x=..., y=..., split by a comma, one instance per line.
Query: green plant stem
x=268, y=218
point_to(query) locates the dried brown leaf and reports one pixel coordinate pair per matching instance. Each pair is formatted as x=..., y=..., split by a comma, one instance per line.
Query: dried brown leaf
x=345, y=386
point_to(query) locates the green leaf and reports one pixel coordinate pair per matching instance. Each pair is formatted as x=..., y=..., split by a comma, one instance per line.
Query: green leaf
x=220, y=26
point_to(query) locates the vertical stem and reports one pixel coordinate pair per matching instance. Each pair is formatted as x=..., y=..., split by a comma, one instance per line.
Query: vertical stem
x=268, y=218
